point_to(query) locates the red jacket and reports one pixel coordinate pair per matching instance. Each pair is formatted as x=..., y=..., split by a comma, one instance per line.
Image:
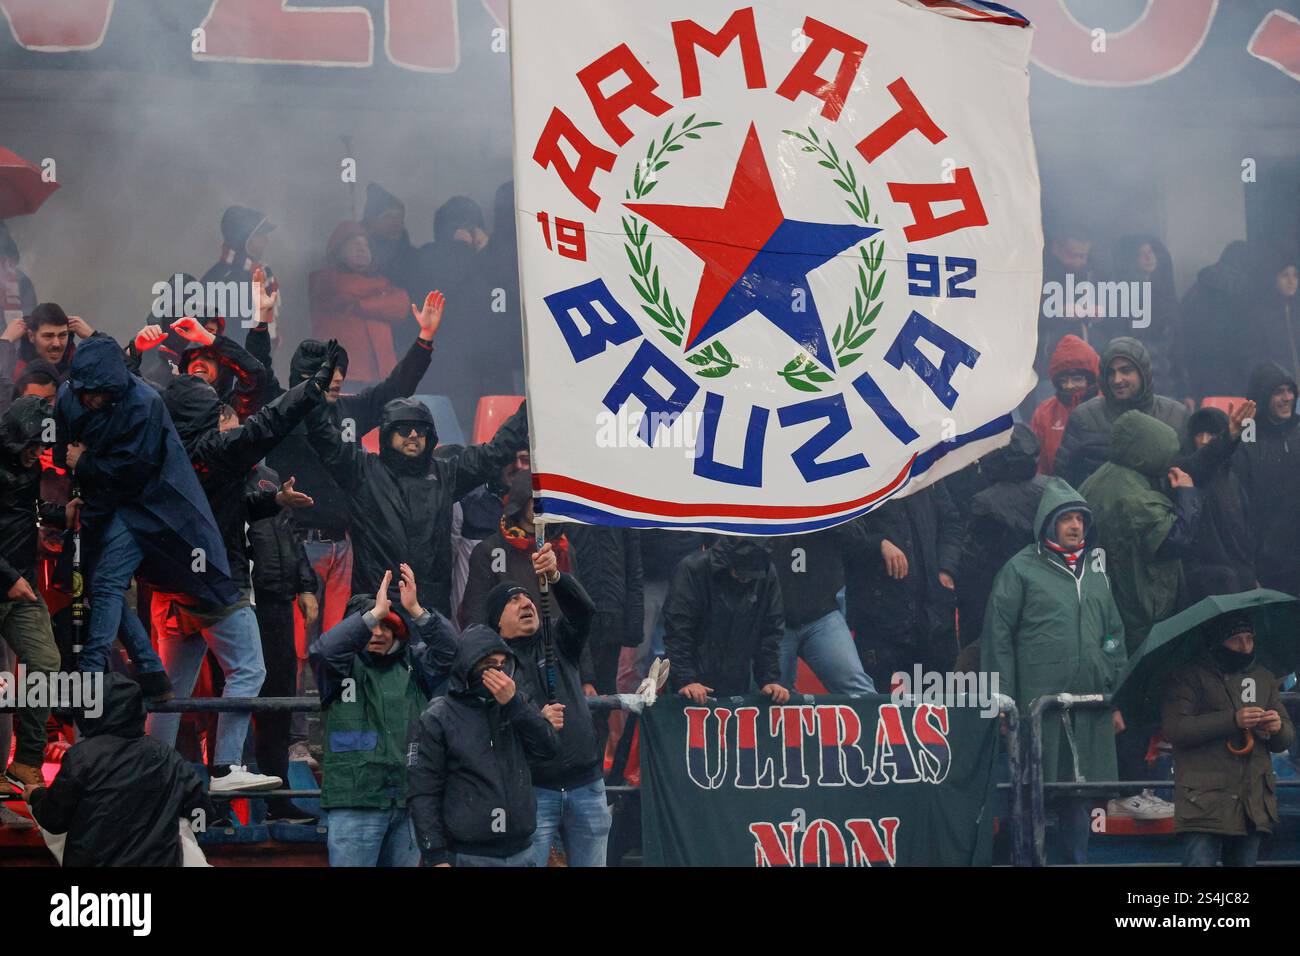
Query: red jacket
x=1051, y=415
x=359, y=310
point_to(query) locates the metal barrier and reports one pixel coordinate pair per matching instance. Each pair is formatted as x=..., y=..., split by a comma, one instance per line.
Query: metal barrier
x=1037, y=788
x=273, y=705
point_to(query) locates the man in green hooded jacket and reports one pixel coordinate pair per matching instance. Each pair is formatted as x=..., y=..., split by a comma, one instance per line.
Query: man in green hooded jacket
x=1051, y=627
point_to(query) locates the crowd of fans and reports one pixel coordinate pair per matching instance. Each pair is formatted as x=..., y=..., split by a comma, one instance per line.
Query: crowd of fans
x=454, y=659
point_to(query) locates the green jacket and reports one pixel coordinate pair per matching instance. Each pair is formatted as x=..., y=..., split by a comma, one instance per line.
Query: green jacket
x=1215, y=790
x=1133, y=519
x=1047, y=631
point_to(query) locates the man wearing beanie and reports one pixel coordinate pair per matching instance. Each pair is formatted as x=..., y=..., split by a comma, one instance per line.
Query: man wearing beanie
x=1225, y=718
x=570, y=787
x=374, y=679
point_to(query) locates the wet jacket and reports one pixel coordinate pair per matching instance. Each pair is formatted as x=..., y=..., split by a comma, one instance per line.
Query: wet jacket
x=1217, y=349
x=20, y=506
x=401, y=507
x=1269, y=469
x=811, y=569
x=119, y=795
x=1050, y=630
x=469, y=783
x=578, y=763
x=222, y=460
x=1222, y=559
x=1215, y=790
x=136, y=466
x=608, y=563
x=718, y=631
x=281, y=569
x=295, y=458
x=494, y=561
x=1086, y=442
x=1138, y=525
x=1000, y=523
x=366, y=731
x=926, y=527
x=1072, y=354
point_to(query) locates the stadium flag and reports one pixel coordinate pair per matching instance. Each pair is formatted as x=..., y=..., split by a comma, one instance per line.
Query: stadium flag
x=779, y=262
x=842, y=782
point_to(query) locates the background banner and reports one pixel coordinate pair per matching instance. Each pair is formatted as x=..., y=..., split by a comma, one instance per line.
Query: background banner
x=842, y=782
x=780, y=263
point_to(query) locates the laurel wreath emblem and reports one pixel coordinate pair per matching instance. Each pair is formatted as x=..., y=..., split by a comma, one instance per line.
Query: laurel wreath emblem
x=802, y=372
x=713, y=361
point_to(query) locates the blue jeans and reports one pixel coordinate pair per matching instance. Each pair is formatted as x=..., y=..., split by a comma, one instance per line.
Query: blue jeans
x=826, y=645
x=366, y=837
x=118, y=559
x=1206, y=849
x=582, y=819
x=522, y=858
x=237, y=645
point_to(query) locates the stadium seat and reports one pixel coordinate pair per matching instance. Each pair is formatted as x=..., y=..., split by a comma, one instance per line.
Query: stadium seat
x=492, y=411
x=1224, y=403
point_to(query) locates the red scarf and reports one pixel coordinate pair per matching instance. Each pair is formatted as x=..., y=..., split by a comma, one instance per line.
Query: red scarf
x=1071, y=558
x=522, y=540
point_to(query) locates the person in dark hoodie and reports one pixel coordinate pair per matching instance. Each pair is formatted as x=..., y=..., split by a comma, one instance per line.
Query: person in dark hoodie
x=723, y=622
x=384, y=219
x=119, y=796
x=1001, y=522
x=1127, y=384
x=24, y=617
x=1145, y=259
x=238, y=378
x=391, y=677
x=144, y=512
x=469, y=782
x=570, y=789
x=1217, y=347
x=1222, y=558
x=1269, y=469
x=400, y=499
x=244, y=235
x=1277, y=317
x=187, y=626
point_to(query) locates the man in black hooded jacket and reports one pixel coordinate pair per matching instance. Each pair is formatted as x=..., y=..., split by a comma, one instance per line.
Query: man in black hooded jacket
x=571, y=801
x=401, y=499
x=469, y=785
x=119, y=795
x=1269, y=469
x=723, y=622
x=1222, y=558
x=222, y=460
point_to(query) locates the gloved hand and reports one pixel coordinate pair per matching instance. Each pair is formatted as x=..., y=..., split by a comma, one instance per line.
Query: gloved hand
x=325, y=373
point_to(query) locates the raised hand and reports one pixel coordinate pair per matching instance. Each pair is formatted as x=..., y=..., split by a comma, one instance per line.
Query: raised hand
x=264, y=302
x=430, y=317
x=499, y=684
x=287, y=497
x=410, y=597
x=79, y=327
x=382, y=604
x=149, y=337
x=192, y=330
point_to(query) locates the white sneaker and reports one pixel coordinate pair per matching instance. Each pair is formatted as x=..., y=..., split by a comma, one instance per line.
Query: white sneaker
x=1159, y=808
x=1141, y=806
x=300, y=751
x=15, y=821
x=240, y=779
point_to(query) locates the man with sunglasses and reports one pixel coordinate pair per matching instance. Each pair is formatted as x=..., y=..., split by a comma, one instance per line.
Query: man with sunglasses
x=400, y=500
x=469, y=782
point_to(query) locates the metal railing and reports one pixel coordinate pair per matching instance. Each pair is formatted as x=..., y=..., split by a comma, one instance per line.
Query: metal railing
x=1037, y=822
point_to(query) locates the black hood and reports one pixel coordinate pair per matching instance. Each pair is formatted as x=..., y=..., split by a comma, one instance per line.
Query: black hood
x=1137, y=353
x=1237, y=273
x=458, y=212
x=476, y=643
x=122, y=710
x=307, y=358
x=23, y=424
x=745, y=555
x=378, y=201
x=194, y=406
x=1015, y=461
x=1264, y=380
x=405, y=411
x=1212, y=420
x=99, y=366
x=238, y=224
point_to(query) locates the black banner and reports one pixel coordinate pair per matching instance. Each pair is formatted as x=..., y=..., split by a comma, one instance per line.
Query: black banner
x=836, y=781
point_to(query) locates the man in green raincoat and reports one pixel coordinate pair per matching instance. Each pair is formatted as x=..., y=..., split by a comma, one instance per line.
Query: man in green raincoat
x=1052, y=627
